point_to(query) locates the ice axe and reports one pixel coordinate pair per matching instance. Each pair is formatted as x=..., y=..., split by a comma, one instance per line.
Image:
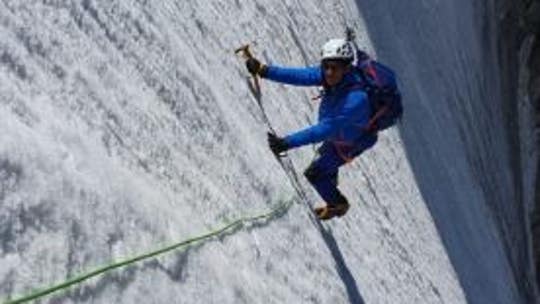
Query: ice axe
x=255, y=88
x=245, y=52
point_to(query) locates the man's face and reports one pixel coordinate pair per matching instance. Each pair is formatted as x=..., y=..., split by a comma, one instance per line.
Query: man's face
x=334, y=70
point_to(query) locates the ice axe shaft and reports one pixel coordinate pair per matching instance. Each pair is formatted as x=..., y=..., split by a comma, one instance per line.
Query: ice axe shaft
x=245, y=52
x=350, y=34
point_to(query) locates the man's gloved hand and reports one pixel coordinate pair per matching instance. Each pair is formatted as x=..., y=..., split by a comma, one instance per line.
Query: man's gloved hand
x=255, y=67
x=277, y=144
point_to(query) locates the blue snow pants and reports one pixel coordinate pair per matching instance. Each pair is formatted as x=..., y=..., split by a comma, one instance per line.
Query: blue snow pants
x=322, y=173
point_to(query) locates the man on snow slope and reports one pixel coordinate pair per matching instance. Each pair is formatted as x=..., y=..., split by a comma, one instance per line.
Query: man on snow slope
x=344, y=114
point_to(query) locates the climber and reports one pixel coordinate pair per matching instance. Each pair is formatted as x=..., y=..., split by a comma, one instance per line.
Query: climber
x=345, y=123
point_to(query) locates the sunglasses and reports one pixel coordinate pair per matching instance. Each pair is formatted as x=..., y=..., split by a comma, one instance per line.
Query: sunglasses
x=333, y=65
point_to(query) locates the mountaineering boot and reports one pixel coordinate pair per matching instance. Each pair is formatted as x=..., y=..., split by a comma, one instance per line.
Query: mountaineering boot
x=329, y=211
x=318, y=210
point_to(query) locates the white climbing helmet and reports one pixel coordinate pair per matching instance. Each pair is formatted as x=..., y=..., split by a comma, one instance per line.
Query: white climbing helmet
x=337, y=49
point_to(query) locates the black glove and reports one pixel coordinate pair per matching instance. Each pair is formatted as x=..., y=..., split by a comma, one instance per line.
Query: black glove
x=255, y=67
x=277, y=144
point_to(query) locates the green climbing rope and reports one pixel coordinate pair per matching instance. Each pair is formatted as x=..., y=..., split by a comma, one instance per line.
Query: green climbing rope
x=281, y=208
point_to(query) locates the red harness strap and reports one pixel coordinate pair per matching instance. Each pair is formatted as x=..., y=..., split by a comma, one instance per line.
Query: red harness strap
x=370, y=127
x=373, y=73
x=372, y=124
x=339, y=145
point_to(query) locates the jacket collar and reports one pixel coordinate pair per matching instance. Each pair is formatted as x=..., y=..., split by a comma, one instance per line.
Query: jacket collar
x=348, y=80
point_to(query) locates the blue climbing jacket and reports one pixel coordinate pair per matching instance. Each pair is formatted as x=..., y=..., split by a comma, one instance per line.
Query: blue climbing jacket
x=344, y=111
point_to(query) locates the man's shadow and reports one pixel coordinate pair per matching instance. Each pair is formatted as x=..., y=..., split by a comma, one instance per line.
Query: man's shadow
x=343, y=271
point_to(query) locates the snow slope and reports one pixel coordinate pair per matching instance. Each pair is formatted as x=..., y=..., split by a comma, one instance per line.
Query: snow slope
x=127, y=125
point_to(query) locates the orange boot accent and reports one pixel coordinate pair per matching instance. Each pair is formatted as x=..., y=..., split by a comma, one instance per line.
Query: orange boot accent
x=328, y=212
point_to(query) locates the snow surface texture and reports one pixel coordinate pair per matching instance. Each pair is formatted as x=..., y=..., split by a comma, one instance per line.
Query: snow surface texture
x=128, y=124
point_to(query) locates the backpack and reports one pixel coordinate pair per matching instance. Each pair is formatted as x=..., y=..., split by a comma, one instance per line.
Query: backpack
x=380, y=84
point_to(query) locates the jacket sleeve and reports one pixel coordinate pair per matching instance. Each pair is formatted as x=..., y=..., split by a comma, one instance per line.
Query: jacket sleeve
x=308, y=76
x=355, y=111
